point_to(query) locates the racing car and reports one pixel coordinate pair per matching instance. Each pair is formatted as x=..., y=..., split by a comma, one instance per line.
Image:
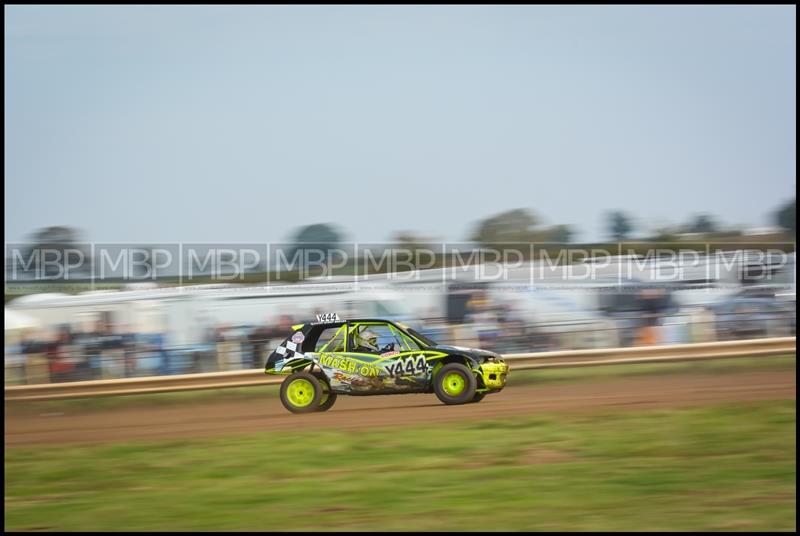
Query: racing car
x=332, y=357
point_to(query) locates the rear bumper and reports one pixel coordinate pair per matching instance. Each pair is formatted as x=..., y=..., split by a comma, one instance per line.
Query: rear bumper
x=493, y=374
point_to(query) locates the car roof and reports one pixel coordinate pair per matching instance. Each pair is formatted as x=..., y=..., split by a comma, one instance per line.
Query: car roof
x=351, y=320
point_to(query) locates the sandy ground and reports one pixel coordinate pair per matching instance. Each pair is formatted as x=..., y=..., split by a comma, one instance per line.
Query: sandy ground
x=261, y=414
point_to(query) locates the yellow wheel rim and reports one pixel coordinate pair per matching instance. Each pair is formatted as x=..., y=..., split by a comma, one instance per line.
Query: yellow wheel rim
x=300, y=392
x=454, y=384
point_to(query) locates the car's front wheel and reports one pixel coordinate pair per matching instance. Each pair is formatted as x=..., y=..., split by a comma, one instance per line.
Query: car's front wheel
x=328, y=397
x=455, y=384
x=328, y=400
x=301, y=393
x=478, y=397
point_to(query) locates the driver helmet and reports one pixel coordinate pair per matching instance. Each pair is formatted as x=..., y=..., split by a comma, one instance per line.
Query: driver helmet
x=369, y=340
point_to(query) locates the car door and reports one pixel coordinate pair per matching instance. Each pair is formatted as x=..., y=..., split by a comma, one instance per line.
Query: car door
x=401, y=364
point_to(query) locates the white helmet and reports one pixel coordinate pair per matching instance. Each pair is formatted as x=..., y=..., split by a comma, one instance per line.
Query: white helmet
x=368, y=339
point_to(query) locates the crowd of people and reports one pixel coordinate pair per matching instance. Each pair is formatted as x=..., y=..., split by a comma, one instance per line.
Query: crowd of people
x=107, y=351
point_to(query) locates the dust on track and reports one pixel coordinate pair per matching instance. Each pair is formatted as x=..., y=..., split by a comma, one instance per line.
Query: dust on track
x=350, y=412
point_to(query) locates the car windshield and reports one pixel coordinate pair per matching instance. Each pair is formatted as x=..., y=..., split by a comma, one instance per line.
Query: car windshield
x=427, y=341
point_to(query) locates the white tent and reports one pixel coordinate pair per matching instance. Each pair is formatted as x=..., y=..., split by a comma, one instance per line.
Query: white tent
x=16, y=320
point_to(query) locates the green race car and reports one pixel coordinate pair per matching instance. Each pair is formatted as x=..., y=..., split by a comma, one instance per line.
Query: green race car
x=332, y=357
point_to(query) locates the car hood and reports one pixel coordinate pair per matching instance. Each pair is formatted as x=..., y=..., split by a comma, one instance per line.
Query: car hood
x=475, y=353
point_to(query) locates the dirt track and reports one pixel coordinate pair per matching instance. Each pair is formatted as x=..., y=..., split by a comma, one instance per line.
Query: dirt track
x=256, y=414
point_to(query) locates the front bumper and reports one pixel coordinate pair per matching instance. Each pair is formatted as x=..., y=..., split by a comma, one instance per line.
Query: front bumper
x=494, y=374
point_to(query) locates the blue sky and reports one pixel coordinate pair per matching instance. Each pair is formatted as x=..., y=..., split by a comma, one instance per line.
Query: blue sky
x=239, y=124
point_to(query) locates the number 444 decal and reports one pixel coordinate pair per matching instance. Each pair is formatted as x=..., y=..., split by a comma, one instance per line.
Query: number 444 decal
x=408, y=366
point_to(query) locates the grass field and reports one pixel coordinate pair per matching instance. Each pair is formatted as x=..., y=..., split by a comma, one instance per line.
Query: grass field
x=727, y=467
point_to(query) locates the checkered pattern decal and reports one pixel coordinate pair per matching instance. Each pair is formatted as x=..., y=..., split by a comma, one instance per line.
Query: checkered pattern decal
x=289, y=350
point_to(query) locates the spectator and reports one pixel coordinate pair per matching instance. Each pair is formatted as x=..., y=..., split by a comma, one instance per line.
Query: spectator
x=62, y=366
x=258, y=340
x=36, y=365
x=128, y=344
x=91, y=345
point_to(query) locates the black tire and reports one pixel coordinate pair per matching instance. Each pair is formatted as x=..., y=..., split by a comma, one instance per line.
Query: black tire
x=477, y=398
x=466, y=393
x=328, y=400
x=315, y=397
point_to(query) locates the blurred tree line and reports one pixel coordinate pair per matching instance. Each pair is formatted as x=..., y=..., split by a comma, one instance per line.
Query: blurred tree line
x=510, y=227
x=519, y=226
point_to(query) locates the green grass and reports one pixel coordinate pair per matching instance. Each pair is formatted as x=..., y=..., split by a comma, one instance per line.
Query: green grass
x=727, y=467
x=729, y=365
x=523, y=377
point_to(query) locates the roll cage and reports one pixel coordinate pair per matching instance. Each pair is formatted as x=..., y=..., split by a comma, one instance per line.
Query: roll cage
x=347, y=330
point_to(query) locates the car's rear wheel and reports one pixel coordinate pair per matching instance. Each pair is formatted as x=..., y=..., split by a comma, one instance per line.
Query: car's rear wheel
x=455, y=384
x=301, y=393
